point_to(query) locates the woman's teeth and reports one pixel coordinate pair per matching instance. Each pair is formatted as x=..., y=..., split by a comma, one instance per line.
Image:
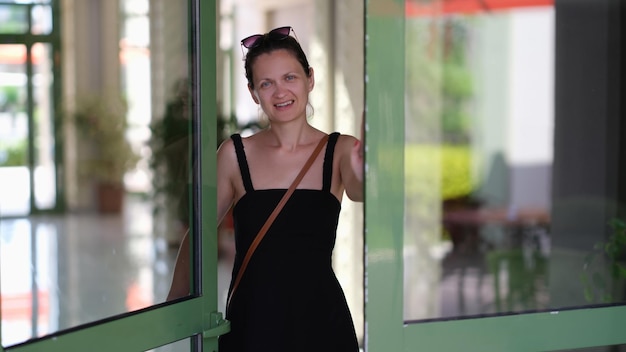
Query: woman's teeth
x=284, y=104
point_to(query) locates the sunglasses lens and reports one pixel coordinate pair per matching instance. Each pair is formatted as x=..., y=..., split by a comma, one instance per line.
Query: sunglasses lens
x=251, y=41
x=276, y=34
x=281, y=32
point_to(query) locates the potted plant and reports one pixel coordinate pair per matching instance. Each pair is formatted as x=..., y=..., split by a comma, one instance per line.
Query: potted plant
x=604, y=270
x=170, y=161
x=105, y=154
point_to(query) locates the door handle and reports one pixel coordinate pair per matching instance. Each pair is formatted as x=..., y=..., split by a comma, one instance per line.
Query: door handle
x=218, y=326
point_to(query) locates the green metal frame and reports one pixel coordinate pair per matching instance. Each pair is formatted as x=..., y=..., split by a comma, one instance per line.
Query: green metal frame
x=386, y=329
x=384, y=186
x=195, y=316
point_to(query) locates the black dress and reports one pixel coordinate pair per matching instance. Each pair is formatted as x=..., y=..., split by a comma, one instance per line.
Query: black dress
x=289, y=298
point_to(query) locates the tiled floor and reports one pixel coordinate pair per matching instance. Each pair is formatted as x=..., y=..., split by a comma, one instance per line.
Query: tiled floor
x=59, y=272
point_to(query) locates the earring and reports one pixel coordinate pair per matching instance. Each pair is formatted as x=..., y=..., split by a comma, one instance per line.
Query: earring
x=309, y=110
x=262, y=118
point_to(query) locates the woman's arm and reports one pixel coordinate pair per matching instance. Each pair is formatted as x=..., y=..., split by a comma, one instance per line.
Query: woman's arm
x=181, y=281
x=227, y=172
x=351, y=167
x=352, y=164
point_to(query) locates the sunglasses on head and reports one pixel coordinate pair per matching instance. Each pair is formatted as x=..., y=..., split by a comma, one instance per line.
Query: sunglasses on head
x=279, y=33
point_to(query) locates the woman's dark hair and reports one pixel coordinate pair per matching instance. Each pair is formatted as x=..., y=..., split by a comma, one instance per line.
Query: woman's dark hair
x=269, y=45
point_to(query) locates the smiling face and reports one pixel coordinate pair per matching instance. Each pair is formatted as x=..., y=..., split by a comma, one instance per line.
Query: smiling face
x=281, y=86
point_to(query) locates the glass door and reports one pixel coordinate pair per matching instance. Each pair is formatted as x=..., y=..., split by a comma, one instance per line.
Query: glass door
x=28, y=157
x=495, y=204
x=93, y=281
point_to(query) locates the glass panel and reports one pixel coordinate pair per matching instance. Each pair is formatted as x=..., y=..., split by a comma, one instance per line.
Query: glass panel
x=30, y=296
x=42, y=19
x=13, y=19
x=495, y=220
x=45, y=168
x=169, y=127
x=113, y=252
x=14, y=174
x=58, y=272
x=135, y=55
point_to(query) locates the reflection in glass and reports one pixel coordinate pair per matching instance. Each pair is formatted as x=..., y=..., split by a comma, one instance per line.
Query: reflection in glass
x=62, y=271
x=45, y=168
x=42, y=19
x=99, y=258
x=484, y=233
x=29, y=275
x=13, y=19
x=14, y=130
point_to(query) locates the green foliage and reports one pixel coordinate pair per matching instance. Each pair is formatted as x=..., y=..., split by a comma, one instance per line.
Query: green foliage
x=454, y=163
x=9, y=98
x=171, y=143
x=14, y=154
x=456, y=177
x=457, y=92
x=423, y=84
x=439, y=82
x=101, y=125
x=605, y=266
x=14, y=19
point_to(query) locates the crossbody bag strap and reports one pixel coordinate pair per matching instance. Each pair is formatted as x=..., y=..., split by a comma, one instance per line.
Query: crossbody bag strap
x=273, y=215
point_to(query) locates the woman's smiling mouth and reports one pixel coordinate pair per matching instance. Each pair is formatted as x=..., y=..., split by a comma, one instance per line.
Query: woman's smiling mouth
x=282, y=105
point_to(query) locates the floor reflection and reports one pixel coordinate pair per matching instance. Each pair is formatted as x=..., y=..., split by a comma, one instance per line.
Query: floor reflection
x=58, y=272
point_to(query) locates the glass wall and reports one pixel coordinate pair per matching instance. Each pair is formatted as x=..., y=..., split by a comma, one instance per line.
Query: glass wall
x=123, y=114
x=500, y=215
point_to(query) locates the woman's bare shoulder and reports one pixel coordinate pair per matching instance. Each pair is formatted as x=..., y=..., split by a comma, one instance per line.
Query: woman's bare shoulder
x=226, y=154
x=346, y=142
x=226, y=146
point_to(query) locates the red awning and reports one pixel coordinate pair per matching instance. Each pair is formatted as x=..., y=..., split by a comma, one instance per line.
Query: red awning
x=415, y=8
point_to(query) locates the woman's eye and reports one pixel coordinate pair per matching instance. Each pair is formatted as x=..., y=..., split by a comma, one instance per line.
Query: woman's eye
x=265, y=84
x=290, y=77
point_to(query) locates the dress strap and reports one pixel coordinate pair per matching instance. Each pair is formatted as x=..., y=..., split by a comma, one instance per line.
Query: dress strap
x=328, y=161
x=243, y=163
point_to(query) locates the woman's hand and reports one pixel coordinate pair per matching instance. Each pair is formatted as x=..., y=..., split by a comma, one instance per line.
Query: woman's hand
x=352, y=166
x=356, y=158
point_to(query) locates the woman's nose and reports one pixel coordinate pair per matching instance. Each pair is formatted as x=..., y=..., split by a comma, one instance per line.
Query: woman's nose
x=280, y=89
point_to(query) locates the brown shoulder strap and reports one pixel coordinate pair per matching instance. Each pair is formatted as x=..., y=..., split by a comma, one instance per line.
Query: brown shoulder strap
x=274, y=214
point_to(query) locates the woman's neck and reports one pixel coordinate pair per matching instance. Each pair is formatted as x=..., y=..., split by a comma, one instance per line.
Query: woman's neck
x=290, y=137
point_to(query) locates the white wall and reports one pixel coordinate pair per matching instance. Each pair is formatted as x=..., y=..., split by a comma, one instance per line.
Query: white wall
x=531, y=109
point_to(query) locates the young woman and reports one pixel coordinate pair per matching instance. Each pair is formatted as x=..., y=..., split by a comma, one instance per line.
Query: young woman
x=288, y=298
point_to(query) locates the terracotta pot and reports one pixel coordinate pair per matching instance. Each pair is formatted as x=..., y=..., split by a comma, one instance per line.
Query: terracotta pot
x=110, y=198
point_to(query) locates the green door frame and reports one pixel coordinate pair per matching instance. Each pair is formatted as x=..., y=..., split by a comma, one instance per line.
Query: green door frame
x=386, y=329
x=196, y=316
